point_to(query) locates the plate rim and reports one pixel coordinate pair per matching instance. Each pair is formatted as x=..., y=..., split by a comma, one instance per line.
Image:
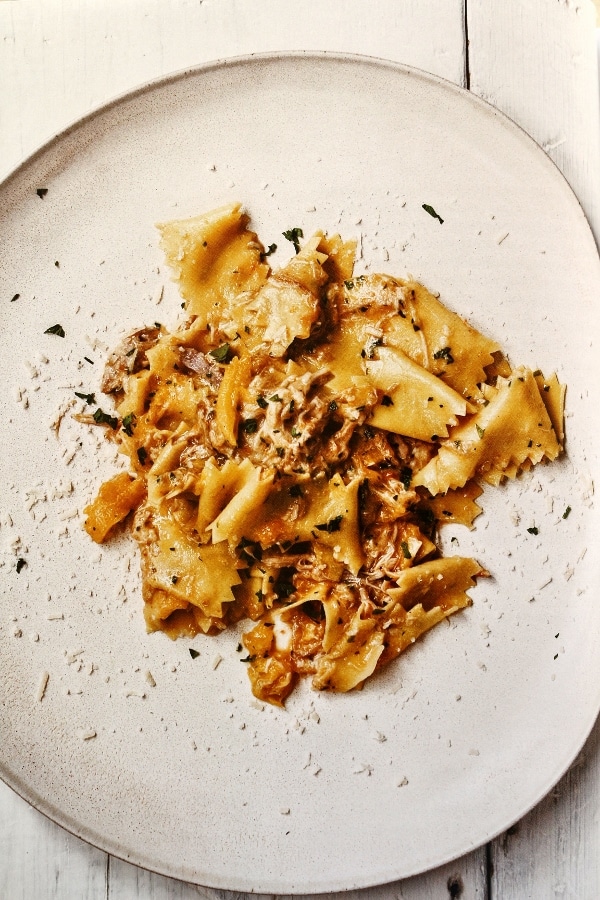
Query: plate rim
x=12, y=780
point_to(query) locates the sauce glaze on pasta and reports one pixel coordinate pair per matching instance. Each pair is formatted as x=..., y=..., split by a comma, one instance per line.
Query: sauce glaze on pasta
x=294, y=444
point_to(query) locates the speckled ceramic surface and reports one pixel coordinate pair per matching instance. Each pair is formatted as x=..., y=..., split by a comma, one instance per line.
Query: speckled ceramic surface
x=166, y=760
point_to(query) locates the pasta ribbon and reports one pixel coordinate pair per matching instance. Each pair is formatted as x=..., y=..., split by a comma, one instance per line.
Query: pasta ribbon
x=297, y=441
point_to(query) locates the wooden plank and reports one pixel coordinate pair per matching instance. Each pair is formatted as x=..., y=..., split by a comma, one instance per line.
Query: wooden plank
x=549, y=47
x=555, y=850
x=62, y=59
x=464, y=878
x=39, y=859
x=537, y=62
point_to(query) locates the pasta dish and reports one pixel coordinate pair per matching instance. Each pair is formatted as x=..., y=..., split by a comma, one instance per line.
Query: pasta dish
x=294, y=444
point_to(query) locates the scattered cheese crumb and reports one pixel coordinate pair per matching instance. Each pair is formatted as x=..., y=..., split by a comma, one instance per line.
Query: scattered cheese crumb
x=42, y=685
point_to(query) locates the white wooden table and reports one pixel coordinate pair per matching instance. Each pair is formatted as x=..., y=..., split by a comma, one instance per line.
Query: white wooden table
x=533, y=59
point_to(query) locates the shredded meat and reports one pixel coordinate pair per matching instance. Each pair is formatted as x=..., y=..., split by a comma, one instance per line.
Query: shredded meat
x=201, y=364
x=128, y=357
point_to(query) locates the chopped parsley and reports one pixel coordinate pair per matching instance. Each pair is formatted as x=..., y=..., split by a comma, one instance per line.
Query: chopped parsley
x=480, y=430
x=194, y=653
x=405, y=551
x=41, y=192
x=102, y=418
x=221, y=354
x=533, y=530
x=129, y=423
x=566, y=513
x=55, y=329
x=331, y=526
x=250, y=426
x=88, y=398
x=294, y=235
x=386, y=400
x=16, y=297
x=406, y=476
x=271, y=249
x=142, y=455
x=444, y=353
x=429, y=209
x=21, y=563
x=262, y=402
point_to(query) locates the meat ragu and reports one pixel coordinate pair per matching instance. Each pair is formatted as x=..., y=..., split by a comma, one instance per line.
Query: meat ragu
x=295, y=445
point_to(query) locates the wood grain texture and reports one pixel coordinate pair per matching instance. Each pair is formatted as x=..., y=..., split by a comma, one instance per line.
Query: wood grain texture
x=555, y=850
x=537, y=62
x=464, y=878
x=38, y=859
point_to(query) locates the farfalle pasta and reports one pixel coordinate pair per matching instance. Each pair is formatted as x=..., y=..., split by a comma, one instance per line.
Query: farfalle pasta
x=294, y=444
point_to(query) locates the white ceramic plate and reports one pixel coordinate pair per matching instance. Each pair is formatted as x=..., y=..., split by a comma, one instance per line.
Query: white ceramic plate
x=453, y=743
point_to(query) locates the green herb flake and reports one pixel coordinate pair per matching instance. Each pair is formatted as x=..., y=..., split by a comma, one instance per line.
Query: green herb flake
x=56, y=329
x=21, y=563
x=480, y=430
x=87, y=398
x=294, y=235
x=250, y=426
x=405, y=551
x=271, y=249
x=533, y=530
x=406, y=477
x=221, y=354
x=444, y=353
x=429, y=209
x=102, y=418
x=129, y=423
x=142, y=455
x=331, y=526
x=262, y=402
x=41, y=192
x=194, y=653
x=566, y=513
x=386, y=400
x=16, y=297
